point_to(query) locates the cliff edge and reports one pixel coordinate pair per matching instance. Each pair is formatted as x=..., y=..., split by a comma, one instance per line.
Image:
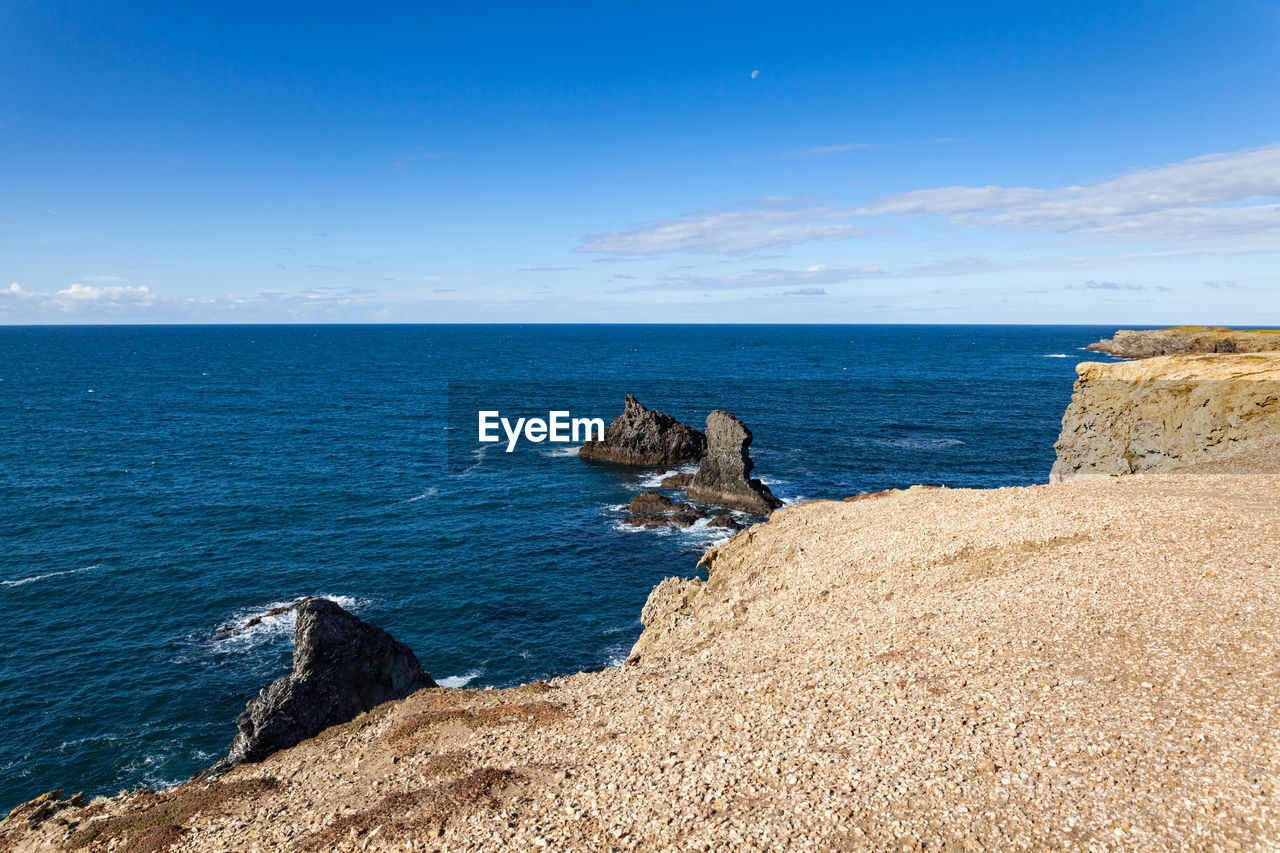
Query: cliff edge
x=1171, y=413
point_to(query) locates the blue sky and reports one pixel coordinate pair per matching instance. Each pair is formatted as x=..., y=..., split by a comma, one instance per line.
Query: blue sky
x=1107, y=162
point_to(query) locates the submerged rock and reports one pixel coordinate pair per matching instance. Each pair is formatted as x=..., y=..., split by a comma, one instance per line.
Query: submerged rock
x=640, y=436
x=726, y=521
x=651, y=509
x=341, y=668
x=724, y=479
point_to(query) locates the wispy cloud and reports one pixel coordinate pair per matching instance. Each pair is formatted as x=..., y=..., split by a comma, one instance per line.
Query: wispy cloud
x=418, y=155
x=1115, y=285
x=829, y=149
x=1219, y=203
x=772, y=223
x=818, y=274
x=1217, y=196
x=806, y=291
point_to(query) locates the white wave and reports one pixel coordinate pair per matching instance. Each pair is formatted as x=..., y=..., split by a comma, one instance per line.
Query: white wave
x=432, y=492
x=653, y=480
x=478, y=453
x=250, y=628
x=34, y=578
x=922, y=443
x=459, y=680
x=1055, y=355
x=623, y=527
x=571, y=450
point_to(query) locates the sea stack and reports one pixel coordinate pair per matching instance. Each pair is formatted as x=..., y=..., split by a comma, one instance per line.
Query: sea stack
x=640, y=436
x=724, y=479
x=341, y=668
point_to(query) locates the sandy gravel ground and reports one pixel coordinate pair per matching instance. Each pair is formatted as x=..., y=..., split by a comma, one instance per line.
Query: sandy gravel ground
x=1082, y=666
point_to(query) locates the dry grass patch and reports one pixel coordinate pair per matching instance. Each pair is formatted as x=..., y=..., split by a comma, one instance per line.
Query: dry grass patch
x=413, y=814
x=153, y=816
x=534, y=714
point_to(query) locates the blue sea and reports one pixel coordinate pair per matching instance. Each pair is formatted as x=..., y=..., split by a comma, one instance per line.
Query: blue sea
x=160, y=484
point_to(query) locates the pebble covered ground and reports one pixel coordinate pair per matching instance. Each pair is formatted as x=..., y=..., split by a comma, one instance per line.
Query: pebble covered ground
x=1079, y=666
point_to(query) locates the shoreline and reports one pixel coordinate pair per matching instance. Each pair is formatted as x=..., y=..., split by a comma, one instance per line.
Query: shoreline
x=1078, y=664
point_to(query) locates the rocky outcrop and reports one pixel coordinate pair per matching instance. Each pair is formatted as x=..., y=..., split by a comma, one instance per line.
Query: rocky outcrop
x=1128, y=343
x=724, y=478
x=1166, y=414
x=725, y=521
x=640, y=436
x=662, y=609
x=341, y=668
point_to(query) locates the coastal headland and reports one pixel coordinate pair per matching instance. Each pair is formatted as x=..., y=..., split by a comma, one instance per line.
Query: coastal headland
x=1083, y=665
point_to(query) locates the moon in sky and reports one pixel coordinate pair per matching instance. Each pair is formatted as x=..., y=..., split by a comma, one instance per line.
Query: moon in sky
x=755, y=74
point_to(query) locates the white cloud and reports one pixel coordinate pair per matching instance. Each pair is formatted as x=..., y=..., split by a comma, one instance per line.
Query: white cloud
x=776, y=222
x=75, y=297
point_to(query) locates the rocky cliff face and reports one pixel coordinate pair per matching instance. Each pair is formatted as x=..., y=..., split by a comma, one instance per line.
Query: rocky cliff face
x=724, y=478
x=341, y=668
x=1168, y=413
x=1128, y=343
x=640, y=436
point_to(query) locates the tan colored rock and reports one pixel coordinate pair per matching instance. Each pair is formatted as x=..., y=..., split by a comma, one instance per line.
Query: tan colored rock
x=1167, y=413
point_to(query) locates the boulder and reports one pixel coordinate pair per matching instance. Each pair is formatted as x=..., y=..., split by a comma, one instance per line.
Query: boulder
x=724, y=479
x=685, y=515
x=676, y=481
x=640, y=436
x=728, y=522
x=341, y=668
x=648, y=503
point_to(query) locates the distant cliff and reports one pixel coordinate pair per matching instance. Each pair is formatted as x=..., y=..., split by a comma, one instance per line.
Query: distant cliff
x=1128, y=343
x=1167, y=413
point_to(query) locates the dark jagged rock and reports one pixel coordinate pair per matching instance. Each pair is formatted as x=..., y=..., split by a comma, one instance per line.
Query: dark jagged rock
x=724, y=479
x=728, y=522
x=676, y=481
x=640, y=436
x=341, y=668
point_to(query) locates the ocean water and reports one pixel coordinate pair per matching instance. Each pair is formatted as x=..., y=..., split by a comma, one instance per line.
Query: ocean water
x=159, y=484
